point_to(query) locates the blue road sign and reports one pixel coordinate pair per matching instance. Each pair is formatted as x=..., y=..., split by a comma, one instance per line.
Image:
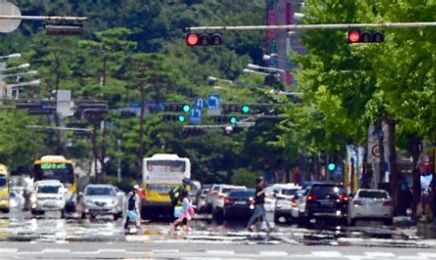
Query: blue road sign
x=213, y=104
x=199, y=103
x=195, y=116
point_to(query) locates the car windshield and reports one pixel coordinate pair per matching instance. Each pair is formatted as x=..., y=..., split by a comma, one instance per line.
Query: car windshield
x=289, y=191
x=2, y=180
x=99, y=191
x=372, y=194
x=48, y=189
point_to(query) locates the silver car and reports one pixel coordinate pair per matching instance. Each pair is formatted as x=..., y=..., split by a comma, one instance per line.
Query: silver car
x=101, y=199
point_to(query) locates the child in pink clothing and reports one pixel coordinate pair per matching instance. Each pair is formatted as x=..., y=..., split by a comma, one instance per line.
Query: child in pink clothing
x=184, y=213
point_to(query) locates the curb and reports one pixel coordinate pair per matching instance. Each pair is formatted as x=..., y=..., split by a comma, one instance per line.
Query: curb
x=373, y=242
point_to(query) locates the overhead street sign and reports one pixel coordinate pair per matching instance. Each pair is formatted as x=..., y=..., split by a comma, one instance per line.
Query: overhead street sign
x=195, y=116
x=213, y=104
x=199, y=103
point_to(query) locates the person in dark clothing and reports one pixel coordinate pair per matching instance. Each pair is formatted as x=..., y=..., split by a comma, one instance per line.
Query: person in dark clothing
x=260, y=207
x=133, y=208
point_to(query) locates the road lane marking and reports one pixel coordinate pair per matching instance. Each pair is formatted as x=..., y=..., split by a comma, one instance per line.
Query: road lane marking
x=110, y=250
x=380, y=254
x=429, y=255
x=85, y=252
x=165, y=251
x=54, y=251
x=273, y=253
x=326, y=254
x=9, y=250
x=220, y=252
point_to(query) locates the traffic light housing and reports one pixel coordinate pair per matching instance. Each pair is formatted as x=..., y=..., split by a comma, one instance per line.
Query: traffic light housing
x=64, y=29
x=177, y=107
x=322, y=157
x=192, y=131
x=233, y=120
x=174, y=117
x=365, y=36
x=204, y=39
x=229, y=108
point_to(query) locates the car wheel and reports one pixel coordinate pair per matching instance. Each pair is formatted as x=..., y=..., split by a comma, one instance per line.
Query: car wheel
x=62, y=214
x=388, y=222
x=6, y=211
x=118, y=215
x=352, y=222
x=83, y=215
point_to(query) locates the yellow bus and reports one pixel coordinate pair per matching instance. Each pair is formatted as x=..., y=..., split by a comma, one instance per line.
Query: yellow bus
x=4, y=189
x=56, y=167
x=160, y=174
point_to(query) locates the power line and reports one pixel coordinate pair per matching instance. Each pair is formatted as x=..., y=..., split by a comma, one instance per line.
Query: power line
x=314, y=26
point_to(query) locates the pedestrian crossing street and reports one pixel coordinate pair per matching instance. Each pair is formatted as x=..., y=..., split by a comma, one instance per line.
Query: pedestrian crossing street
x=47, y=253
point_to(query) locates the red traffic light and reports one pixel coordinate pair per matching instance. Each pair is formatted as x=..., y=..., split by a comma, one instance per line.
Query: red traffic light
x=366, y=36
x=204, y=39
x=192, y=39
x=353, y=36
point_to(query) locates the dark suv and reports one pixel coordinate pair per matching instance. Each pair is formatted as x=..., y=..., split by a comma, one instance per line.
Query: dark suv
x=326, y=202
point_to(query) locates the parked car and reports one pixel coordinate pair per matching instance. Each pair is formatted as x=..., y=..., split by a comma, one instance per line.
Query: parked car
x=370, y=204
x=326, y=202
x=201, y=200
x=16, y=199
x=218, y=200
x=210, y=197
x=48, y=195
x=239, y=204
x=285, y=202
x=101, y=199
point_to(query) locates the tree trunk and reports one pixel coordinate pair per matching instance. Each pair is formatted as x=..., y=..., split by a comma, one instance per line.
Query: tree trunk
x=416, y=151
x=394, y=175
x=381, y=149
x=95, y=149
x=103, y=149
x=141, y=130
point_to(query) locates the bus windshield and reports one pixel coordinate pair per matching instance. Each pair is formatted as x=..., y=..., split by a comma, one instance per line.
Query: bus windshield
x=2, y=180
x=164, y=166
x=62, y=172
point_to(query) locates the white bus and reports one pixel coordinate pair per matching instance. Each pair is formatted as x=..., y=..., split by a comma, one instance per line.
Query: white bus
x=160, y=174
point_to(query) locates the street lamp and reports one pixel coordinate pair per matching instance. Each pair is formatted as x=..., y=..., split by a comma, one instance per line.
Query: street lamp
x=21, y=66
x=254, y=66
x=14, y=55
x=23, y=84
x=255, y=72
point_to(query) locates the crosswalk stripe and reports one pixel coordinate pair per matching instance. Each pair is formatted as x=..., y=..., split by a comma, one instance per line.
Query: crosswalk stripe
x=9, y=250
x=326, y=254
x=220, y=252
x=429, y=255
x=110, y=250
x=54, y=251
x=165, y=251
x=84, y=253
x=273, y=253
x=380, y=254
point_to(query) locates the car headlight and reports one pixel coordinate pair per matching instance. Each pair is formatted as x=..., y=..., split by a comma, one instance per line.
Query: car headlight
x=32, y=198
x=113, y=202
x=87, y=201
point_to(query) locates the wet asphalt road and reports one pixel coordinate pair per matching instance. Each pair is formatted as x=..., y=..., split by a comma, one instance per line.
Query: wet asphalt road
x=19, y=226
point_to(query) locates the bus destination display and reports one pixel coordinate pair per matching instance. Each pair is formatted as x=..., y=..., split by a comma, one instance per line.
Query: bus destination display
x=53, y=166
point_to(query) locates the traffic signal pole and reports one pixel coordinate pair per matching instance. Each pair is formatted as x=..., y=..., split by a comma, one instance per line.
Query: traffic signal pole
x=314, y=26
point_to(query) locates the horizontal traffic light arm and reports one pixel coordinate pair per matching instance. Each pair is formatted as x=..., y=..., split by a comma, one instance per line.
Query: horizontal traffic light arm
x=313, y=26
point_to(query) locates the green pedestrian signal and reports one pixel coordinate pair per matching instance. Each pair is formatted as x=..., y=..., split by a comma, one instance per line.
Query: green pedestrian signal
x=182, y=118
x=186, y=108
x=245, y=109
x=331, y=166
x=233, y=120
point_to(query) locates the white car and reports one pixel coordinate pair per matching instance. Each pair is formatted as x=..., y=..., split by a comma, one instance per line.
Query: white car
x=370, y=204
x=48, y=196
